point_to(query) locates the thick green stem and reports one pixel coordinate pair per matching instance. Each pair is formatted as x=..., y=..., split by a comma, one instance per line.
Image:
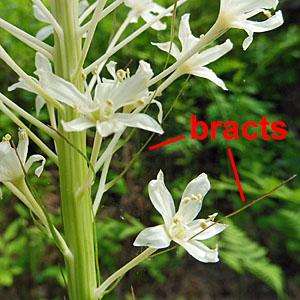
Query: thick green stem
x=73, y=169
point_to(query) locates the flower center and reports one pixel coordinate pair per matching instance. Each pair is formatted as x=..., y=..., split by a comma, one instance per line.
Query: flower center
x=177, y=227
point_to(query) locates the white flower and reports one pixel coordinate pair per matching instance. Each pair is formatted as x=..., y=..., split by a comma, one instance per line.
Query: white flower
x=144, y=9
x=48, y=30
x=111, y=96
x=195, y=64
x=10, y=167
x=235, y=14
x=181, y=226
x=41, y=63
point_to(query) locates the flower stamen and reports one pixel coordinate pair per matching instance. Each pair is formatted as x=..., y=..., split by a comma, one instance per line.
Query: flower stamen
x=22, y=134
x=121, y=74
x=186, y=200
x=109, y=103
x=141, y=102
x=212, y=217
x=6, y=138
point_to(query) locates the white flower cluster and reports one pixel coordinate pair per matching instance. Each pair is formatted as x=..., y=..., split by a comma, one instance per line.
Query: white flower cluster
x=11, y=159
x=181, y=226
x=111, y=105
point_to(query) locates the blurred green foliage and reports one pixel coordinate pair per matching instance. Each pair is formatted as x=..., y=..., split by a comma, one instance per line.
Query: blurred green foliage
x=263, y=240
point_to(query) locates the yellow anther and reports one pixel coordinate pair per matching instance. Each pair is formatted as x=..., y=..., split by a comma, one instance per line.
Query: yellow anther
x=267, y=14
x=95, y=71
x=203, y=225
x=199, y=196
x=176, y=220
x=128, y=72
x=212, y=217
x=201, y=36
x=6, y=138
x=141, y=102
x=186, y=200
x=109, y=103
x=23, y=134
x=194, y=197
x=83, y=75
x=121, y=74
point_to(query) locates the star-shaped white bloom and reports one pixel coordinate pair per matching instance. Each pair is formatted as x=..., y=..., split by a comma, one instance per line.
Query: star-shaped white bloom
x=10, y=167
x=111, y=108
x=196, y=64
x=43, y=33
x=235, y=14
x=41, y=64
x=145, y=10
x=181, y=226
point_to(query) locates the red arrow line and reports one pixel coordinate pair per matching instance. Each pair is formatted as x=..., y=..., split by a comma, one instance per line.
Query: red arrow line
x=236, y=174
x=167, y=142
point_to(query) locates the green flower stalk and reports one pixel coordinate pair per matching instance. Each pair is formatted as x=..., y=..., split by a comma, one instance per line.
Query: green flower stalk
x=73, y=170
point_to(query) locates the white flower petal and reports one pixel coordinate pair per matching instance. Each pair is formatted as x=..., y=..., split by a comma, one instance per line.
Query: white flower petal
x=234, y=14
x=39, y=15
x=153, y=237
x=111, y=68
x=161, y=198
x=208, y=74
x=5, y=175
x=129, y=3
x=42, y=63
x=39, y=103
x=45, y=32
x=184, y=28
x=213, y=53
x=61, y=89
x=23, y=145
x=4, y=149
x=166, y=47
x=186, y=38
x=192, y=198
x=155, y=8
x=109, y=127
x=34, y=158
x=197, y=226
x=141, y=121
x=200, y=251
x=144, y=9
x=199, y=185
x=78, y=124
x=133, y=17
x=132, y=86
x=248, y=5
x=160, y=110
x=10, y=165
x=252, y=26
x=82, y=6
x=147, y=16
x=21, y=84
